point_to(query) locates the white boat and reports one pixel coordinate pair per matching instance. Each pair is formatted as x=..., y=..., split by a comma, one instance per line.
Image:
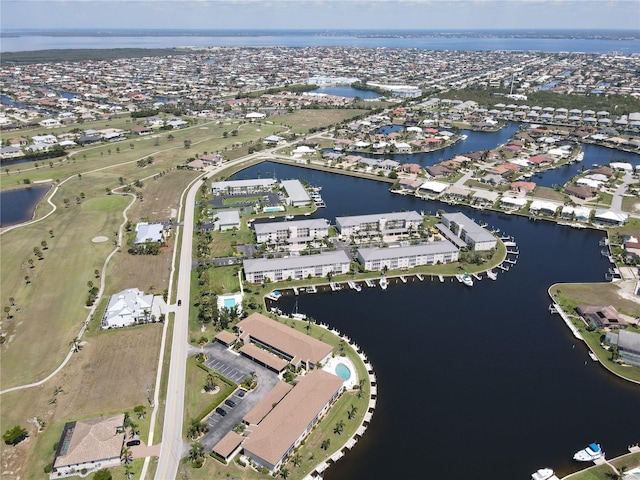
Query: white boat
x=467, y=280
x=580, y=157
x=542, y=474
x=492, y=275
x=589, y=454
x=384, y=283
x=289, y=217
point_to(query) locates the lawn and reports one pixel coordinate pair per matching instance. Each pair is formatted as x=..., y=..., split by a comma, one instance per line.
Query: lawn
x=120, y=389
x=602, y=472
x=198, y=403
x=305, y=120
x=568, y=296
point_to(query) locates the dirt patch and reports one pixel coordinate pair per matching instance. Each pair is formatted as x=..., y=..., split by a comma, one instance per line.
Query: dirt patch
x=99, y=239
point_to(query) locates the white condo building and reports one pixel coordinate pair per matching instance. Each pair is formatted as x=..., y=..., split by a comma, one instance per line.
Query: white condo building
x=408, y=257
x=397, y=223
x=258, y=270
x=294, y=232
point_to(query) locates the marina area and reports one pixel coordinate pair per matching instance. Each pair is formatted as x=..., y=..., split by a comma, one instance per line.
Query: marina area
x=426, y=298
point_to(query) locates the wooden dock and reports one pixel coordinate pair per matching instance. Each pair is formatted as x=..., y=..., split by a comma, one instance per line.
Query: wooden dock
x=441, y=278
x=476, y=276
x=403, y=279
x=370, y=283
x=420, y=276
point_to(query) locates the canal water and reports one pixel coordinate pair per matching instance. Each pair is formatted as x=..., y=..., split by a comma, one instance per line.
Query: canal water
x=17, y=206
x=478, y=382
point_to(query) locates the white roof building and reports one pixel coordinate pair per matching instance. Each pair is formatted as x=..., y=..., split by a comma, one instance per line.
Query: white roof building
x=434, y=187
x=476, y=237
x=227, y=219
x=149, y=232
x=243, y=186
x=127, y=308
x=380, y=223
x=258, y=270
x=408, y=257
x=298, y=231
x=297, y=195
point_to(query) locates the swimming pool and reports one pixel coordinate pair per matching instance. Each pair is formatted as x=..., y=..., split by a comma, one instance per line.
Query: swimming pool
x=278, y=208
x=229, y=302
x=343, y=371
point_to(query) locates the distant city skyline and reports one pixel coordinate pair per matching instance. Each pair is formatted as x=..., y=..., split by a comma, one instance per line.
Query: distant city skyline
x=322, y=14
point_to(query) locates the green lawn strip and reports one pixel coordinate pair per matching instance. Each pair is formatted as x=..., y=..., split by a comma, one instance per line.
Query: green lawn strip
x=305, y=120
x=549, y=194
x=603, y=472
x=199, y=404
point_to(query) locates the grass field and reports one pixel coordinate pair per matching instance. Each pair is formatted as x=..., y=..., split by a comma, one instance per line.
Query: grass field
x=302, y=121
x=96, y=381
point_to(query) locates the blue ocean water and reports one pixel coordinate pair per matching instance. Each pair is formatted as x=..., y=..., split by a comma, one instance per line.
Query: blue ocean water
x=544, y=41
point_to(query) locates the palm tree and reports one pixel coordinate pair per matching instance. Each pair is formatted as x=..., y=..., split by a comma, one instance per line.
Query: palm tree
x=75, y=344
x=196, y=451
x=211, y=383
x=43, y=244
x=339, y=428
x=51, y=232
x=325, y=443
x=126, y=456
x=296, y=460
x=128, y=472
x=284, y=473
x=352, y=411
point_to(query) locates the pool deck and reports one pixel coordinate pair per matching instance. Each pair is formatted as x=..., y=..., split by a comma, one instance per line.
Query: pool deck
x=333, y=362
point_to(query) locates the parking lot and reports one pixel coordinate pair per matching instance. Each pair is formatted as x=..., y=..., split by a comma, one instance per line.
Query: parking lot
x=226, y=370
x=236, y=368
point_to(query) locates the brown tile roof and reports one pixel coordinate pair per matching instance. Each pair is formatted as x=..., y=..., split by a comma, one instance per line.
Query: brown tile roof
x=228, y=444
x=264, y=406
x=93, y=440
x=262, y=356
x=293, y=343
x=226, y=337
x=282, y=427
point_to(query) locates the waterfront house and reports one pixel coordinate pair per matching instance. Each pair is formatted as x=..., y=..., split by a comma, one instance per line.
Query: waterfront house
x=582, y=192
x=601, y=316
x=632, y=247
x=628, y=344
x=542, y=207
x=608, y=217
x=258, y=270
x=523, y=187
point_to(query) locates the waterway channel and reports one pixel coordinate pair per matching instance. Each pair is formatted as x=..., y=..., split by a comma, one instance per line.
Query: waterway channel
x=478, y=382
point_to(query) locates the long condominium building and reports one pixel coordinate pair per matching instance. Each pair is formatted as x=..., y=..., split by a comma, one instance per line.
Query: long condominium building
x=397, y=223
x=292, y=418
x=258, y=270
x=243, y=186
x=409, y=256
x=298, y=231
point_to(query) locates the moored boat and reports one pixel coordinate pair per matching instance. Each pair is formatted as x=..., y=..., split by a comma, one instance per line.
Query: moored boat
x=467, y=280
x=542, y=474
x=384, y=283
x=590, y=453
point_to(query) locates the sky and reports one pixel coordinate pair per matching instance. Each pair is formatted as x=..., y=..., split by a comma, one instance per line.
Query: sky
x=321, y=14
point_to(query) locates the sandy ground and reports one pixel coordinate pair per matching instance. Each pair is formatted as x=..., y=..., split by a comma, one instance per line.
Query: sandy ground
x=99, y=239
x=142, y=450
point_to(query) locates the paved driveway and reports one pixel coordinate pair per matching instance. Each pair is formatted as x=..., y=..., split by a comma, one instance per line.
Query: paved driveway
x=235, y=367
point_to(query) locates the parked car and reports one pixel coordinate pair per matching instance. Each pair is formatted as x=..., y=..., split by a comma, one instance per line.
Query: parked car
x=241, y=393
x=221, y=411
x=230, y=403
x=179, y=302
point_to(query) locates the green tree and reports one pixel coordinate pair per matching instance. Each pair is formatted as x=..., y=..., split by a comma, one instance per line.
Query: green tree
x=14, y=435
x=326, y=443
x=196, y=452
x=339, y=428
x=51, y=232
x=284, y=472
x=296, y=460
x=140, y=411
x=44, y=244
x=103, y=474
x=126, y=456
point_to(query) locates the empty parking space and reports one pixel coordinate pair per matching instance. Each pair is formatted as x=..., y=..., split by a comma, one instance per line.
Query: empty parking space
x=224, y=369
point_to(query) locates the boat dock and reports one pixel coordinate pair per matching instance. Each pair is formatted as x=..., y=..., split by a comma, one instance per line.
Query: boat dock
x=568, y=322
x=335, y=286
x=295, y=291
x=370, y=283
x=274, y=295
x=503, y=268
x=354, y=286
x=513, y=252
x=420, y=277
x=492, y=275
x=403, y=279
x=441, y=278
x=312, y=289
x=510, y=244
x=459, y=278
x=512, y=262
